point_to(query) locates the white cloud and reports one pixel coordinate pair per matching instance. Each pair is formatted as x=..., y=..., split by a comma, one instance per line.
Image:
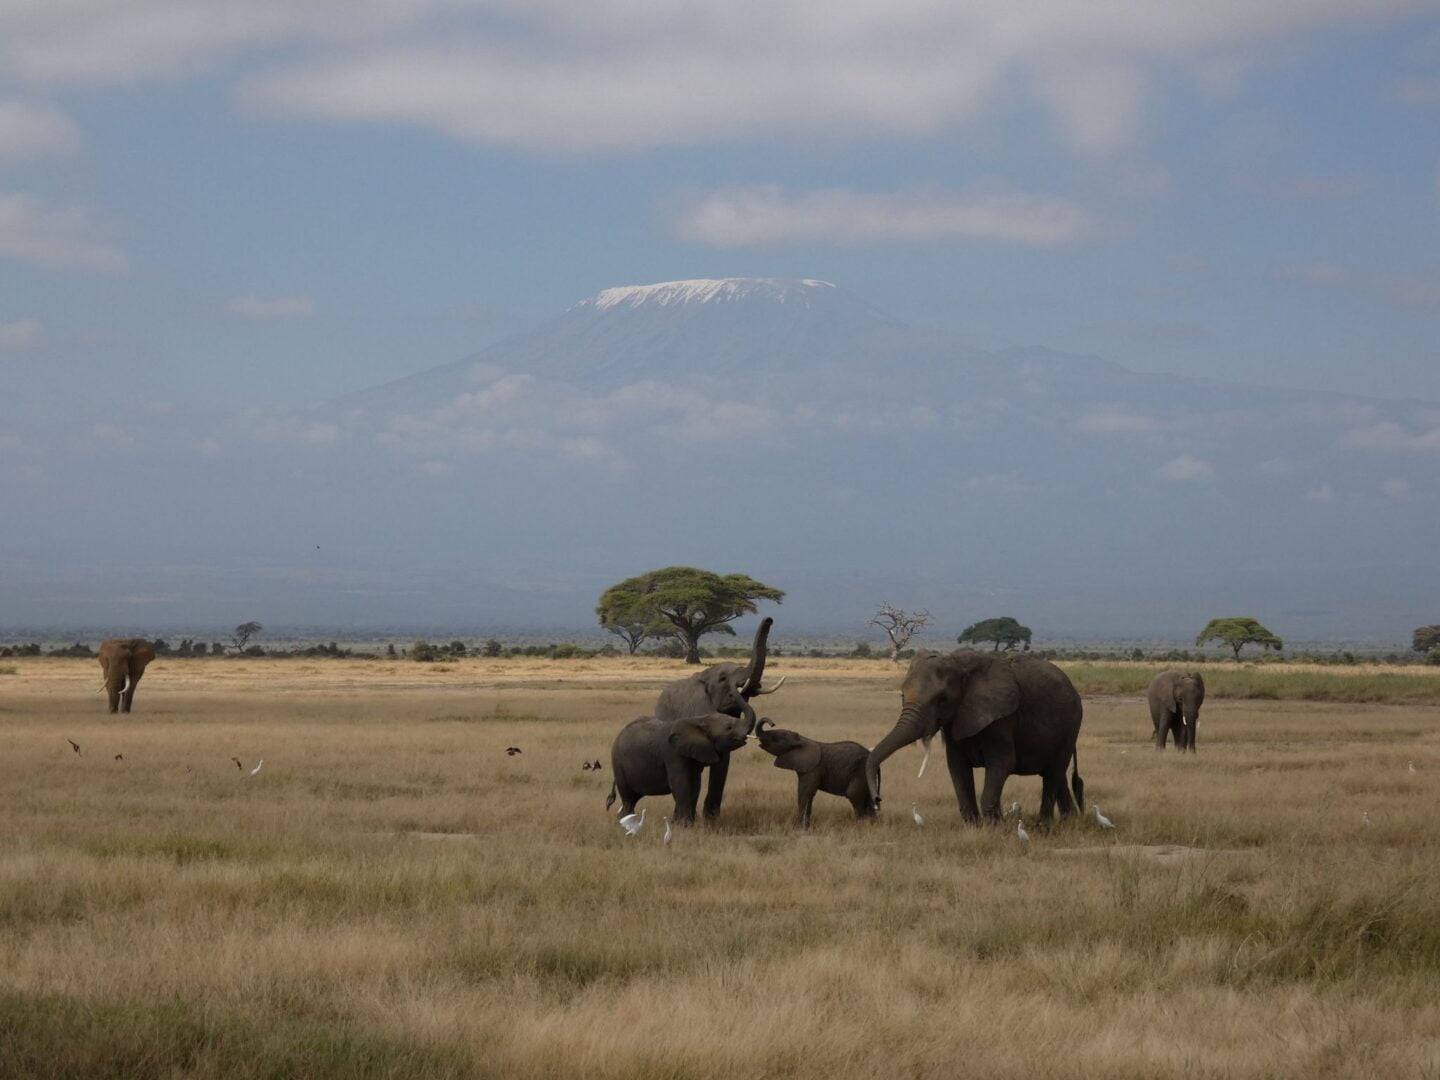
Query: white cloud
x=1415, y=291
x=1388, y=435
x=765, y=216
x=1186, y=468
x=35, y=231
x=1396, y=489
x=29, y=130
x=1116, y=422
x=21, y=334
x=275, y=307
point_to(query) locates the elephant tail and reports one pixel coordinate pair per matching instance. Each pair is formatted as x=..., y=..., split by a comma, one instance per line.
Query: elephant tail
x=610, y=799
x=1077, y=785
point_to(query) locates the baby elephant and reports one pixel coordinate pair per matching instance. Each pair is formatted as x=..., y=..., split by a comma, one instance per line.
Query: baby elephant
x=836, y=768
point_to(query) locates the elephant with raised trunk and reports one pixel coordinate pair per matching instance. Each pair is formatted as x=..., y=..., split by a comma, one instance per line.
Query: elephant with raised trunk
x=725, y=689
x=123, y=661
x=1009, y=715
x=1175, y=699
x=651, y=756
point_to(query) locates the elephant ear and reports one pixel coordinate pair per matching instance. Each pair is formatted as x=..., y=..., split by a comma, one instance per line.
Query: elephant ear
x=693, y=742
x=801, y=759
x=987, y=691
x=143, y=653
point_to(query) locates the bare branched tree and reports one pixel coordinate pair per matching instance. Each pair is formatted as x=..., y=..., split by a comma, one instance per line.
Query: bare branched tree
x=899, y=626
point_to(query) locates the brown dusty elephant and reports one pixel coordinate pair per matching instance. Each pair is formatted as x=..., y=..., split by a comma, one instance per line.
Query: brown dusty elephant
x=1175, y=699
x=123, y=661
x=720, y=688
x=836, y=768
x=651, y=756
x=1010, y=715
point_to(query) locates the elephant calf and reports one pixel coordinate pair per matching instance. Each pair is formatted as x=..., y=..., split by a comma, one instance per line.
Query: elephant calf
x=836, y=768
x=651, y=756
x=1175, y=700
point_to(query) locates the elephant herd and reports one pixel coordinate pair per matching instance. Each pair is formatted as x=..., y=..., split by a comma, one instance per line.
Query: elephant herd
x=1008, y=715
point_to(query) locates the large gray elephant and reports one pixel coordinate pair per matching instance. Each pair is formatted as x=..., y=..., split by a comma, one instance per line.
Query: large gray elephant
x=1175, y=698
x=1010, y=715
x=123, y=661
x=836, y=768
x=720, y=688
x=651, y=756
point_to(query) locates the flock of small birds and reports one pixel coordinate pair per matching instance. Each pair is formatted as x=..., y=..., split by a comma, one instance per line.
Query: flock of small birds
x=189, y=769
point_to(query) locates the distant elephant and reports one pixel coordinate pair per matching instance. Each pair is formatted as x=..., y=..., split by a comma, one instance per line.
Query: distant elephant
x=123, y=661
x=720, y=688
x=836, y=768
x=651, y=756
x=1010, y=715
x=1175, y=699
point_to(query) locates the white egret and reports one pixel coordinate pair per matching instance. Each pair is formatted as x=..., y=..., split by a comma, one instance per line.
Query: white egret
x=1366, y=816
x=1014, y=810
x=256, y=770
x=1021, y=833
x=666, y=840
x=1412, y=766
x=1105, y=822
x=915, y=813
x=631, y=822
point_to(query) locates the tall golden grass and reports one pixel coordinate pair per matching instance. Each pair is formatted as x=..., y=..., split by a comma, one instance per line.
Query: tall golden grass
x=393, y=896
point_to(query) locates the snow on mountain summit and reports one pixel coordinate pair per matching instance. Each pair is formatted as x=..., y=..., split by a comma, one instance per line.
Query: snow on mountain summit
x=706, y=291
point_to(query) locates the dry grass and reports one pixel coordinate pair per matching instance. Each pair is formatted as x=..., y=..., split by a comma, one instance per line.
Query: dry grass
x=167, y=915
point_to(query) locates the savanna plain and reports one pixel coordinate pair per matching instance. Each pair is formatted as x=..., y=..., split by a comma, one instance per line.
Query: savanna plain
x=394, y=896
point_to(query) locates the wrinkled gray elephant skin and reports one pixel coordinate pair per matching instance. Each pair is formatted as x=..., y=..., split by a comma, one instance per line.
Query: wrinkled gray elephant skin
x=1008, y=715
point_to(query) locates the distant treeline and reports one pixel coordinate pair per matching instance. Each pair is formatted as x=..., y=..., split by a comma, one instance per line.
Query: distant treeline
x=424, y=651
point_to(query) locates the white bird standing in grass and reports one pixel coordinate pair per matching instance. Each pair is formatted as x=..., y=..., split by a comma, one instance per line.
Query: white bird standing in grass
x=915, y=813
x=631, y=822
x=1021, y=833
x=256, y=770
x=1014, y=810
x=1105, y=822
x=667, y=832
x=1411, y=765
x=1367, y=817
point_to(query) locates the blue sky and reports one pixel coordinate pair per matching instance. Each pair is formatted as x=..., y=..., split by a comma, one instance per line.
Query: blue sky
x=214, y=214
x=275, y=201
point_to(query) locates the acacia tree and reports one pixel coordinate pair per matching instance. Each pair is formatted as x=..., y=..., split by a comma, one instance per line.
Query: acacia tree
x=899, y=626
x=635, y=627
x=244, y=632
x=1237, y=632
x=691, y=602
x=1005, y=632
x=1426, y=638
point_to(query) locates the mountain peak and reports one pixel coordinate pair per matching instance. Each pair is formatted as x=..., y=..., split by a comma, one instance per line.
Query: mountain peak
x=708, y=291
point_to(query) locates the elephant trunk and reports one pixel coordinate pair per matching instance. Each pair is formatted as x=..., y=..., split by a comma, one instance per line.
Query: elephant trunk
x=757, y=659
x=749, y=714
x=906, y=730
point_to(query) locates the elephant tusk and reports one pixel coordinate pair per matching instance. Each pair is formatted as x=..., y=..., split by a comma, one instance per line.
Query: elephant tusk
x=926, y=759
x=759, y=693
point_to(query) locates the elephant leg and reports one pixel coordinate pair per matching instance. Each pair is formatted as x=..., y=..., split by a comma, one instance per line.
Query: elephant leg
x=114, y=696
x=1190, y=736
x=715, y=792
x=806, y=787
x=962, y=776
x=1062, y=792
x=127, y=698
x=1047, y=798
x=995, y=776
x=1162, y=730
x=685, y=787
